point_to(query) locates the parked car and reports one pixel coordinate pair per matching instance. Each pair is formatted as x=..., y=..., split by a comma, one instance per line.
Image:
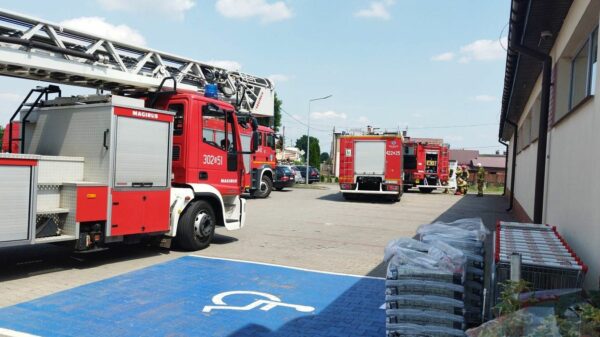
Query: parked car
x=297, y=175
x=314, y=175
x=284, y=177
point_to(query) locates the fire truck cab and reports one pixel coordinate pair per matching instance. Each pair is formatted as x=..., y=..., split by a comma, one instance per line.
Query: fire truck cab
x=425, y=165
x=260, y=165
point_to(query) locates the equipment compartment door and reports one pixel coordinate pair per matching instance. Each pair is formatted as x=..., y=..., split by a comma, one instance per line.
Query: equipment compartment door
x=15, y=202
x=369, y=157
x=142, y=153
x=138, y=212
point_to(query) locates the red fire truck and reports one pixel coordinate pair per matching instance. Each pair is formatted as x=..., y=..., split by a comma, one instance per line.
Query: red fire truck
x=259, y=166
x=371, y=164
x=425, y=164
x=146, y=161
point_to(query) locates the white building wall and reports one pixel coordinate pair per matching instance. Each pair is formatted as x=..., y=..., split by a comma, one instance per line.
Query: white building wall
x=572, y=194
x=525, y=178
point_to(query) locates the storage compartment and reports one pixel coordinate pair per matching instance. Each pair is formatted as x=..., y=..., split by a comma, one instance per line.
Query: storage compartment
x=15, y=201
x=140, y=212
x=369, y=158
x=142, y=153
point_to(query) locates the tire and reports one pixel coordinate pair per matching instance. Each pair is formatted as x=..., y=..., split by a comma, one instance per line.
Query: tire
x=265, y=188
x=395, y=198
x=425, y=189
x=196, y=227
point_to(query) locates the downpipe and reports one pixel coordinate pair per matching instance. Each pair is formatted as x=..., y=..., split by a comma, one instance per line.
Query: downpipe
x=513, y=165
x=505, y=163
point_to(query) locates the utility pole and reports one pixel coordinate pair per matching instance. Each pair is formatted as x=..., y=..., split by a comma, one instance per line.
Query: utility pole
x=308, y=134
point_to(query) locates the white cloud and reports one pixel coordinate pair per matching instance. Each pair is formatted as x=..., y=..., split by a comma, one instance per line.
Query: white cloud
x=172, y=8
x=479, y=50
x=265, y=11
x=98, y=26
x=363, y=120
x=226, y=64
x=376, y=10
x=278, y=78
x=483, y=50
x=485, y=98
x=330, y=114
x=448, y=56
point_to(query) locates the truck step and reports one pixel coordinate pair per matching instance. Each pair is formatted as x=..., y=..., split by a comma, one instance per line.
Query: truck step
x=52, y=211
x=57, y=238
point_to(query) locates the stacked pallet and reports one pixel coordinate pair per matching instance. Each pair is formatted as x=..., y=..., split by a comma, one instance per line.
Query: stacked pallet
x=424, y=289
x=467, y=235
x=547, y=260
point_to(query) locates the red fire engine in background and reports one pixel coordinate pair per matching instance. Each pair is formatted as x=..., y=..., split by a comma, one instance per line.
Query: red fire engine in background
x=260, y=166
x=371, y=164
x=146, y=161
x=425, y=164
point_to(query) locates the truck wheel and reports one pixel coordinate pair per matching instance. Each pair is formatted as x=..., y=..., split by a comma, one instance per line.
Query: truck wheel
x=266, y=186
x=196, y=226
x=425, y=189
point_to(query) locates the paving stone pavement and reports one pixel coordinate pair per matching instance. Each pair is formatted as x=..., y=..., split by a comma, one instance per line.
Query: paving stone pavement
x=307, y=228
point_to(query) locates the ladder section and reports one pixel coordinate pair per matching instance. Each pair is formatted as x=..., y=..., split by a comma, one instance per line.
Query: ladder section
x=38, y=50
x=23, y=111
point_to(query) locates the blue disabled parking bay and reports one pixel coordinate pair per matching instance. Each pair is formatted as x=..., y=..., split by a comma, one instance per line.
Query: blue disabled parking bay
x=199, y=296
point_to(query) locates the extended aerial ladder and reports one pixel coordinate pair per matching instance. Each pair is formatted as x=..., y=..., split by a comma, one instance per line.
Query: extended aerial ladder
x=35, y=49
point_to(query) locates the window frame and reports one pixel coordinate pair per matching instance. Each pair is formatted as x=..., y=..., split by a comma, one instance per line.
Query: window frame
x=591, y=42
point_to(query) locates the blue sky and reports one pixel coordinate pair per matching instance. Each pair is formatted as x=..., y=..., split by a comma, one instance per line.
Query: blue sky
x=425, y=65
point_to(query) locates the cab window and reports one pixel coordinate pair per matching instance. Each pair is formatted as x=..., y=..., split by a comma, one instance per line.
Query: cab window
x=178, y=119
x=271, y=141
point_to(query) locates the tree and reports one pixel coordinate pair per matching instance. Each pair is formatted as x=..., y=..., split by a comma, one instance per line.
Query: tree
x=277, y=113
x=275, y=121
x=315, y=149
x=324, y=157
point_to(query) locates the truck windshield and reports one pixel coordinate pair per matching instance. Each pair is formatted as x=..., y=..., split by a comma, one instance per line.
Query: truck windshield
x=410, y=160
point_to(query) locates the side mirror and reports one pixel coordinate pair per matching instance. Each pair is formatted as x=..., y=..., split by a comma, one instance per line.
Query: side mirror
x=255, y=141
x=254, y=123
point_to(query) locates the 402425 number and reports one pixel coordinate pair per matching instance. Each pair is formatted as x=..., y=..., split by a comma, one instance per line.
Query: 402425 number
x=209, y=159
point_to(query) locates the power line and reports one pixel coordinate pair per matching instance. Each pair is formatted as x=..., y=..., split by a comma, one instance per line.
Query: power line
x=301, y=122
x=451, y=126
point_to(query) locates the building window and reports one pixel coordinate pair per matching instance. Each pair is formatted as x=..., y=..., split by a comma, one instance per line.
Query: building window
x=583, y=71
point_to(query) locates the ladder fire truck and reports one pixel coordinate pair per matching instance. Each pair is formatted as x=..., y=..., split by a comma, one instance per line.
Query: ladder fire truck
x=159, y=157
x=371, y=164
x=425, y=164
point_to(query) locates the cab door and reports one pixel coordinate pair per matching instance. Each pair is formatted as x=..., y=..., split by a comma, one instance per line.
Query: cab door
x=217, y=166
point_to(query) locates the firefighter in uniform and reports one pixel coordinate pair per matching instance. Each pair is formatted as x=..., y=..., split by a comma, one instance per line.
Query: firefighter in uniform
x=459, y=180
x=465, y=178
x=480, y=180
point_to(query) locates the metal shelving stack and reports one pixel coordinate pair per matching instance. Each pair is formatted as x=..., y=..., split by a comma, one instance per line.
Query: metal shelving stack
x=547, y=260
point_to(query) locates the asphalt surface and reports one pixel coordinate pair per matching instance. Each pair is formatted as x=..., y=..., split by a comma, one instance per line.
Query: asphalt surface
x=307, y=228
